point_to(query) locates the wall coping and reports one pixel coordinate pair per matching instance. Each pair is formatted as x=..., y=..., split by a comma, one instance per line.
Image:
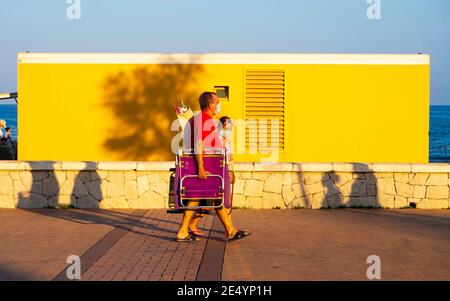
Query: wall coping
x=238, y=166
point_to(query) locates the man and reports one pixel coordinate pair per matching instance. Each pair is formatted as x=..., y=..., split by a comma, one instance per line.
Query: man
x=204, y=135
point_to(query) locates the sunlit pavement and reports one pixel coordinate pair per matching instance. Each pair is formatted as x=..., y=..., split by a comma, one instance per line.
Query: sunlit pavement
x=335, y=245
x=284, y=245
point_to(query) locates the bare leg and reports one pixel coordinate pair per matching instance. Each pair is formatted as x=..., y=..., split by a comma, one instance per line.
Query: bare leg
x=226, y=220
x=193, y=226
x=187, y=217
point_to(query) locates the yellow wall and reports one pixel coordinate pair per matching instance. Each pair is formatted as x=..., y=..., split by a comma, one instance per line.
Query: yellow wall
x=109, y=112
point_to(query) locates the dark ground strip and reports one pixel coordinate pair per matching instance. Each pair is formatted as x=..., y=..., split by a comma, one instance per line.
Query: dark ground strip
x=104, y=244
x=212, y=261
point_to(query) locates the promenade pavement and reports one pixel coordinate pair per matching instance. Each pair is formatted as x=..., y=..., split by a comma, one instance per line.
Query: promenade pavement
x=284, y=245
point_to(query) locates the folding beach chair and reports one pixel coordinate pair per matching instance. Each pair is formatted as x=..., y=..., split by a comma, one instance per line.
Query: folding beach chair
x=184, y=182
x=188, y=187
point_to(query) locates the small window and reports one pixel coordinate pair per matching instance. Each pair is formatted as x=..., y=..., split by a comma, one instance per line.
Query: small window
x=223, y=92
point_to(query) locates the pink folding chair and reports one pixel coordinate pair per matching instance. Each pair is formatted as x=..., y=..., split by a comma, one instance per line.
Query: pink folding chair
x=188, y=187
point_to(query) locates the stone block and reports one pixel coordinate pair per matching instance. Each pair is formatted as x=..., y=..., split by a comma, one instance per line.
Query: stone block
x=386, y=200
x=433, y=204
x=437, y=179
x=287, y=194
x=95, y=189
x=404, y=190
x=260, y=176
x=274, y=183
x=6, y=185
x=253, y=188
x=437, y=192
x=420, y=178
x=143, y=184
x=402, y=177
x=386, y=186
x=88, y=202
x=7, y=202
x=419, y=191
x=31, y=201
x=253, y=202
x=272, y=201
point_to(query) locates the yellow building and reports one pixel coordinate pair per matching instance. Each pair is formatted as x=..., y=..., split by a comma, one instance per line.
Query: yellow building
x=329, y=107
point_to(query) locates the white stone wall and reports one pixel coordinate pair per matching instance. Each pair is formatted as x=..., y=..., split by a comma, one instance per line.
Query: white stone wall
x=84, y=184
x=144, y=185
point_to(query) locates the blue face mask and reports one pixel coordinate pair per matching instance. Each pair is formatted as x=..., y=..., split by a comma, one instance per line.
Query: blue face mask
x=218, y=109
x=225, y=133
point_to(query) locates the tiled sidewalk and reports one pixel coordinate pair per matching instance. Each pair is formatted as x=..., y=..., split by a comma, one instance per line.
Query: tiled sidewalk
x=284, y=245
x=35, y=244
x=335, y=245
x=148, y=252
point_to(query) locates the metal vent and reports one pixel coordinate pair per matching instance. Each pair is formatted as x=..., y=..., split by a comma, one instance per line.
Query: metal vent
x=264, y=104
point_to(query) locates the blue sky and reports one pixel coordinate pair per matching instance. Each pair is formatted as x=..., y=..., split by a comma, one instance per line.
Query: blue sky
x=198, y=26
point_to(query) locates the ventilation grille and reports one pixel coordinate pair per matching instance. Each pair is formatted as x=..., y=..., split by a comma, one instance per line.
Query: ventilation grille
x=264, y=104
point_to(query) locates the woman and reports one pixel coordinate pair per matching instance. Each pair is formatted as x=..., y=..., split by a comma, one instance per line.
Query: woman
x=225, y=129
x=2, y=126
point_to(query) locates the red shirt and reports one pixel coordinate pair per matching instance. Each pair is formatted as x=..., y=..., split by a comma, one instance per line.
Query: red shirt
x=204, y=129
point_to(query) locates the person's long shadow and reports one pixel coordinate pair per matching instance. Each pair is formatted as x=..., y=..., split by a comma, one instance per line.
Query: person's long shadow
x=43, y=192
x=86, y=193
x=302, y=193
x=363, y=193
x=333, y=196
x=128, y=222
x=13, y=272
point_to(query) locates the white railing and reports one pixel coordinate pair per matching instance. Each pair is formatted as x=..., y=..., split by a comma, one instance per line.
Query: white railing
x=5, y=96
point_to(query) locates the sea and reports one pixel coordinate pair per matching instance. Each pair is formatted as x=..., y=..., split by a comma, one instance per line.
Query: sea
x=439, y=143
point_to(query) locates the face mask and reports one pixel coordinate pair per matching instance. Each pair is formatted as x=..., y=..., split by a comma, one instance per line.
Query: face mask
x=218, y=109
x=225, y=133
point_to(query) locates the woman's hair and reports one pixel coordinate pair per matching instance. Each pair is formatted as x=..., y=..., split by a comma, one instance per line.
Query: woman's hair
x=223, y=120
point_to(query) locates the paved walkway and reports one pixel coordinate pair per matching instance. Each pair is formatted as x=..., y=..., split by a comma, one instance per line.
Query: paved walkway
x=148, y=252
x=335, y=244
x=285, y=245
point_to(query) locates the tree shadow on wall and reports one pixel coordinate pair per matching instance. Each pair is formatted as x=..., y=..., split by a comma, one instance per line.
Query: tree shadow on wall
x=43, y=190
x=141, y=105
